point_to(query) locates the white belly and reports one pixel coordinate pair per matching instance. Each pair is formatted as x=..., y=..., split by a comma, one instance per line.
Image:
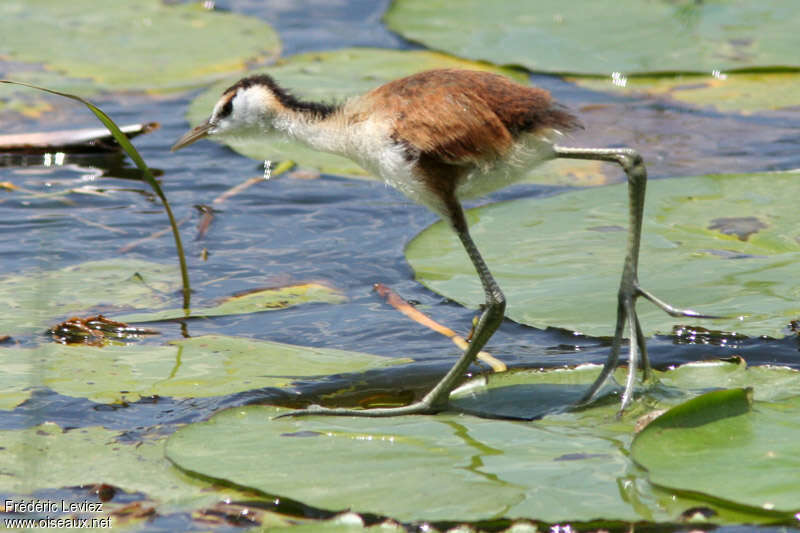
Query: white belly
x=373, y=149
x=530, y=153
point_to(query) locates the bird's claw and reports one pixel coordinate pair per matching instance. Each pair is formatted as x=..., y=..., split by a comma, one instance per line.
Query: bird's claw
x=671, y=310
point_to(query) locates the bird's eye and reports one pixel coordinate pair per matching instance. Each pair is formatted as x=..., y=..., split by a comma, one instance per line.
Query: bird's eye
x=226, y=110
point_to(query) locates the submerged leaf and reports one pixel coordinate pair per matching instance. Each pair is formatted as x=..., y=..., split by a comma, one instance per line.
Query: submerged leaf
x=32, y=301
x=252, y=302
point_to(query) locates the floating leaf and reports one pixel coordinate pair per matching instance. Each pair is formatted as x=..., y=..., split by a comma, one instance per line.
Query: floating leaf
x=84, y=39
x=569, y=465
x=44, y=457
x=16, y=379
x=746, y=92
x=715, y=446
x=34, y=300
x=420, y=468
x=205, y=366
x=559, y=258
x=600, y=38
x=252, y=302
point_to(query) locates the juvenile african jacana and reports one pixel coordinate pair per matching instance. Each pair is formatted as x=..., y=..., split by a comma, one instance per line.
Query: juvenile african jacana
x=441, y=136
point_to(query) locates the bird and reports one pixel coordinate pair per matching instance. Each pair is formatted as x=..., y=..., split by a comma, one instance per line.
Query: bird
x=439, y=137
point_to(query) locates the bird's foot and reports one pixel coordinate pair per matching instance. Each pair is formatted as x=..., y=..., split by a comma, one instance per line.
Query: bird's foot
x=418, y=408
x=637, y=351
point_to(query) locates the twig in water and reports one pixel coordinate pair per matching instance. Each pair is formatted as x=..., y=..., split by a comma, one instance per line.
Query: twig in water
x=396, y=301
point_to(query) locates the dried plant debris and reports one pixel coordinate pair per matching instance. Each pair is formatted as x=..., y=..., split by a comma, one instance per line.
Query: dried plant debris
x=96, y=331
x=132, y=512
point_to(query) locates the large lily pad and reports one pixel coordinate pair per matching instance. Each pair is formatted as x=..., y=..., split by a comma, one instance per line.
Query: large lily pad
x=46, y=457
x=205, y=366
x=722, y=244
x=420, y=468
x=333, y=76
x=600, y=38
x=717, y=446
x=32, y=301
x=162, y=47
x=570, y=465
x=745, y=92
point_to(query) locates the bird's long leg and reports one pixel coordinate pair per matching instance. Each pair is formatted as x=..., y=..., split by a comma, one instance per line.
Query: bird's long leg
x=629, y=290
x=490, y=319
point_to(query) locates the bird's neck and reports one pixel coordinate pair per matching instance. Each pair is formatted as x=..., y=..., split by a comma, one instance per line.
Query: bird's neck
x=321, y=132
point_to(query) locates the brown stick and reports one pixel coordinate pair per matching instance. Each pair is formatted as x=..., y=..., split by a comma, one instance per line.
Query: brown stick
x=396, y=301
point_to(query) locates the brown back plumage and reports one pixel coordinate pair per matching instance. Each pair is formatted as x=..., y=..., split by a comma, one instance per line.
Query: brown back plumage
x=464, y=116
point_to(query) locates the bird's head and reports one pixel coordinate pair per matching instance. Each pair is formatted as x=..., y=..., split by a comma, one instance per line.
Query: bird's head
x=245, y=110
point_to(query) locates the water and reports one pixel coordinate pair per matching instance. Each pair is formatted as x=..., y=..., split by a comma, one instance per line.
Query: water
x=350, y=233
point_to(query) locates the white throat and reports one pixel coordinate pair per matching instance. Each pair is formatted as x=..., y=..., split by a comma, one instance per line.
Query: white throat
x=323, y=134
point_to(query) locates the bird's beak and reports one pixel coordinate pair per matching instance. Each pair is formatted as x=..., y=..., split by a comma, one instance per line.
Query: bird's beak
x=193, y=135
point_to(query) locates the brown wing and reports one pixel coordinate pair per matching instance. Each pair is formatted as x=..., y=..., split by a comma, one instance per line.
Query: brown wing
x=464, y=116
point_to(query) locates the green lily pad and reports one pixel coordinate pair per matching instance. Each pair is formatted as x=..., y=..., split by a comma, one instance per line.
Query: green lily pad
x=204, y=366
x=419, y=468
x=252, y=302
x=16, y=379
x=35, y=300
x=163, y=47
x=569, y=465
x=333, y=76
x=716, y=446
x=600, y=38
x=746, y=92
x=48, y=457
x=722, y=245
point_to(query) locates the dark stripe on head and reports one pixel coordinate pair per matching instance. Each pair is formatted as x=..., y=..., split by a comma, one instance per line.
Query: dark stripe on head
x=283, y=96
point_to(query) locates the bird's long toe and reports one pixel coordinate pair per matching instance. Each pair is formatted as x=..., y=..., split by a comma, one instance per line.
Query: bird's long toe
x=418, y=408
x=670, y=309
